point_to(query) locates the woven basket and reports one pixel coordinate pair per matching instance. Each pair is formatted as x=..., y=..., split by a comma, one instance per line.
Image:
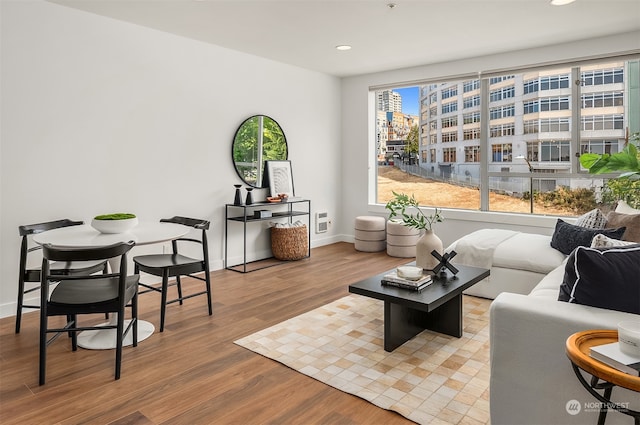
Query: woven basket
x=289, y=243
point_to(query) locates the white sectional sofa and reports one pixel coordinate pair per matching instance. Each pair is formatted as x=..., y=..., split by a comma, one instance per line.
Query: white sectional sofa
x=531, y=377
x=518, y=261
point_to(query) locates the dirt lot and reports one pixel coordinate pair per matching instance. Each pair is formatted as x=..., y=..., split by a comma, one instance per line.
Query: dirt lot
x=432, y=192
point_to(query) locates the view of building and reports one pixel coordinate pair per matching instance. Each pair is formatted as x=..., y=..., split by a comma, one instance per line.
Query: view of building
x=530, y=122
x=392, y=125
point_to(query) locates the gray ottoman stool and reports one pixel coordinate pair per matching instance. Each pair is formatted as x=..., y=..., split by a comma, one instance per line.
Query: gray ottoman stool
x=370, y=233
x=401, y=240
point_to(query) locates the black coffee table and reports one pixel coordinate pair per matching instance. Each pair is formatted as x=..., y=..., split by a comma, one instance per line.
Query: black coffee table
x=438, y=307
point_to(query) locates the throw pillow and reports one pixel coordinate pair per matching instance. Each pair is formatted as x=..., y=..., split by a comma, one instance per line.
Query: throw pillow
x=567, y=237
x=630, y=221
x=625, y=208
x=594, y=219
x=601, y=241
x=603, y=278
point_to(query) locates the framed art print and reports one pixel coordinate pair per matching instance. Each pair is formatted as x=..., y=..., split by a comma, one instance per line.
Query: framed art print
x=280, y=178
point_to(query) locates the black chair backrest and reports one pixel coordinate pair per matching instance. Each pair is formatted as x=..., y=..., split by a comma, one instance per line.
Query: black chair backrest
x=59, y=253
x=196, y=223
x=186, y=221
x=31, y=229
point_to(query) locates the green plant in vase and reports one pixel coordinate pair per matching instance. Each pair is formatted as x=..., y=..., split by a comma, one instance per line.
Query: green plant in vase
x=406, y=209
x=401, y=203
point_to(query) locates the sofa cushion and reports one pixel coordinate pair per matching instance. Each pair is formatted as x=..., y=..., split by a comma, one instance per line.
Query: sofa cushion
x=527, y=251
x=630, y=221
x=567, y=237
x=604, y=278
x=549, y=286
x=594, y=219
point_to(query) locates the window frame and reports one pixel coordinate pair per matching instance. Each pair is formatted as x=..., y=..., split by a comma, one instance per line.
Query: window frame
x=559, y=83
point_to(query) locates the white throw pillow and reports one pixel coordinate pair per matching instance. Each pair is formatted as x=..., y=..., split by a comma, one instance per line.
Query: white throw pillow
x=624, y=208
x=602, y=241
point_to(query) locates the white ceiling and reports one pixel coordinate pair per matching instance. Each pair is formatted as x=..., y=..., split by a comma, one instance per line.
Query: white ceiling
x=415, y=32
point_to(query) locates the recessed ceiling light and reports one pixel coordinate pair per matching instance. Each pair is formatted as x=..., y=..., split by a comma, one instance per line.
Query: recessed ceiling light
x=343, y=47
x=561, y=2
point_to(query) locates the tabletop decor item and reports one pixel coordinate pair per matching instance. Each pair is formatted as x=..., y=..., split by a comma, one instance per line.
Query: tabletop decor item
x=398, y=209
x=249, y=199
x=238, y=198
x=629, y=337
x=279, y=178
x=114, y=223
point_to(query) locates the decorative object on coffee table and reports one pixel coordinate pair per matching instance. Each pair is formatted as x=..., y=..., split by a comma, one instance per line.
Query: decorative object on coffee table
x=444, y=262
x=398, y=209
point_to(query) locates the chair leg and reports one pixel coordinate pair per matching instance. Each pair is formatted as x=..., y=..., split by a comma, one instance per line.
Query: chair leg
x=74, y=334
x=163, y=298
x=43, y=347
x=208, y=283
x=69, y=320
x=119, y=337
x=179, y=286
x=20, y=302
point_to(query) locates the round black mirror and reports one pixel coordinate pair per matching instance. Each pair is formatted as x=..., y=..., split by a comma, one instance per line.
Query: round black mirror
x=258, y=139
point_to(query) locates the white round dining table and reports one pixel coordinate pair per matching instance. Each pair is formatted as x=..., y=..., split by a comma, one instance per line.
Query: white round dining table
x=84, y=236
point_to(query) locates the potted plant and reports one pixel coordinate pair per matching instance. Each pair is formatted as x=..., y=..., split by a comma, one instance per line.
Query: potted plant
x=406, y=209
x=626, y=186
x=114, y=223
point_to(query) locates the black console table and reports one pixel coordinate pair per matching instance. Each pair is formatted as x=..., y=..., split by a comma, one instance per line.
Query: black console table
x=245, y=215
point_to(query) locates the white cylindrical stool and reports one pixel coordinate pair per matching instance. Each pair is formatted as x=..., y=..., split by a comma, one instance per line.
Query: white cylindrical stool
x=401, y=240
x=370, y=233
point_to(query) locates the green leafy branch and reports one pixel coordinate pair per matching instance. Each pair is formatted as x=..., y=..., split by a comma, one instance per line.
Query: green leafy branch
x=625, y=160
x=399, y=205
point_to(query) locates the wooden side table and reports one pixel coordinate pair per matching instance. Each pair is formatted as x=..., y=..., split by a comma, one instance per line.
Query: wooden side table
x=577, y=348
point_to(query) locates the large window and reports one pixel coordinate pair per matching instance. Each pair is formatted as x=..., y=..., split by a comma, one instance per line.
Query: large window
x=530, y=128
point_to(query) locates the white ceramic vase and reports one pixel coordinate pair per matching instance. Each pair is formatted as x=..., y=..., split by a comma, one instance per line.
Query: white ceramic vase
x=428, y=242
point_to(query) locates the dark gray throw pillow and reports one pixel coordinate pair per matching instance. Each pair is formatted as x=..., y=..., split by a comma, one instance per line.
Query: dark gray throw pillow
x=567, y=237
x=604, y=278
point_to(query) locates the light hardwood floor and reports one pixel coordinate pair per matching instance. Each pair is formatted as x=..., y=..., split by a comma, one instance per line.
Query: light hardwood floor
x=193, y=373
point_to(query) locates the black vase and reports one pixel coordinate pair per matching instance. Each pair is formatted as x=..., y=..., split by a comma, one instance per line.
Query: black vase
x=249, y=199
x=238, y=199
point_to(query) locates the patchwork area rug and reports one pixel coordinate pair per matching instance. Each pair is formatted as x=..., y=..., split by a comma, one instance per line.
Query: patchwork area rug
x=433, y=378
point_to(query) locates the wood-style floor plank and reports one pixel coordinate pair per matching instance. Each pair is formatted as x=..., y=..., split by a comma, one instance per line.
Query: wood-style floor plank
x=193, y=373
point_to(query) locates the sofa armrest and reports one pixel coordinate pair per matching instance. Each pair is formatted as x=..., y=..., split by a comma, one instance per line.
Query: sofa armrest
x=531, y=377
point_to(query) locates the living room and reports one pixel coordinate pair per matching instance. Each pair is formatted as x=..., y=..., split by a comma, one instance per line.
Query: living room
x=101, y=115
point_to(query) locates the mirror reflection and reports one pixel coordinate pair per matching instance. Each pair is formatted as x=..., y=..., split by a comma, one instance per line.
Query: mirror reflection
x=258, y=139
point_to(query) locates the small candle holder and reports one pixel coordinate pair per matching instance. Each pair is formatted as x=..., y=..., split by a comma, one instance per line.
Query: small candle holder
x=249, y=199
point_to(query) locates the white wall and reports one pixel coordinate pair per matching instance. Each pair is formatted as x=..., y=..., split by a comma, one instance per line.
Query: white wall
x=359, y=170
x=101, y=116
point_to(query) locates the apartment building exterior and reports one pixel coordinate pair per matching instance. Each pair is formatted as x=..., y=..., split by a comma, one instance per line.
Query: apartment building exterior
x=530, y=115
x=392, y=129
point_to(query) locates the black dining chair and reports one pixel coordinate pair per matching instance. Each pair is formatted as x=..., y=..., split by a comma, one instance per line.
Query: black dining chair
x=89, y=294
x=176, y=265
x=32, y=275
